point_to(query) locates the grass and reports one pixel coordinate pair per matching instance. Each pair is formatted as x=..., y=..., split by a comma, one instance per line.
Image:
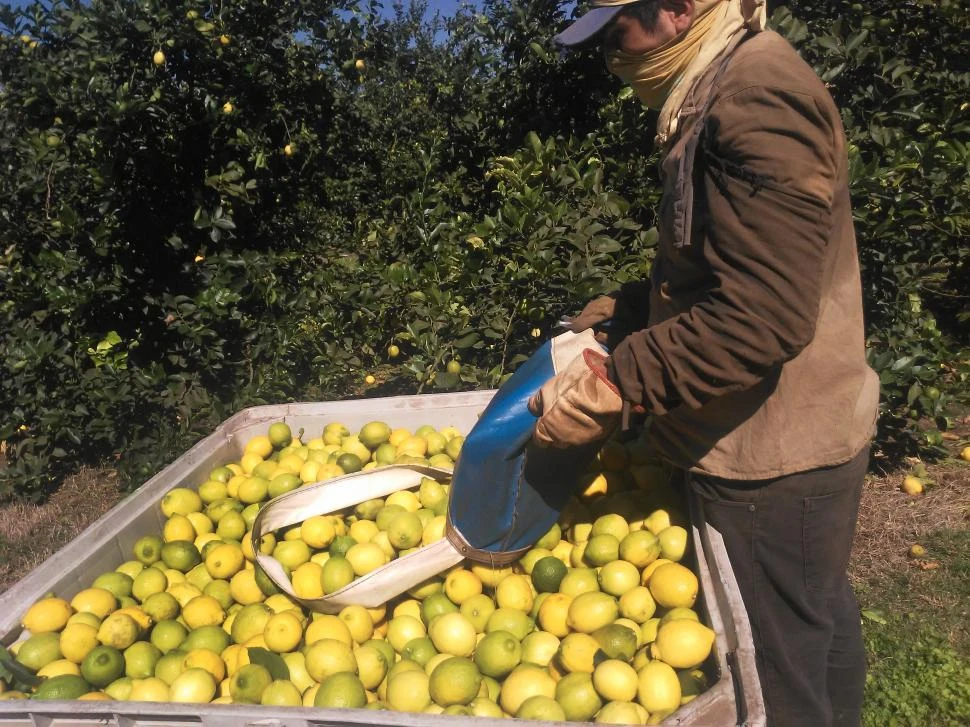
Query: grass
x=917, y=635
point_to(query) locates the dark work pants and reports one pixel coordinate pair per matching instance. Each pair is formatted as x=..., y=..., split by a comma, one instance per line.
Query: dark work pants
x=788, y=540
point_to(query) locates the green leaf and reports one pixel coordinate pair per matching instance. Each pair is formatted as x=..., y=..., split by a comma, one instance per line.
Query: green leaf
x=871, y=614
x=272, y=661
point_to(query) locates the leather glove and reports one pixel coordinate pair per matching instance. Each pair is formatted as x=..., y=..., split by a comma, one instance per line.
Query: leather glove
x=627, y=309
x=578, y=406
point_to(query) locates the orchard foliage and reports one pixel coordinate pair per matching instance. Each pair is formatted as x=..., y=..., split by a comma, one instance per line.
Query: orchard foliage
x=208, y=207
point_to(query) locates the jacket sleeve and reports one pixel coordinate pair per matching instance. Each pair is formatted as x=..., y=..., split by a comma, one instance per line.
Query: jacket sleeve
x=764, y=188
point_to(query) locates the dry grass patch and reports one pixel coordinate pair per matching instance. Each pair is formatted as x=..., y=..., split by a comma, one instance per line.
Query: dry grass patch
x=29, y=534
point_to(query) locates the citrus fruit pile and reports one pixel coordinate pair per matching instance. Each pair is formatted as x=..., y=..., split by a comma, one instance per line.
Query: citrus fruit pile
x=596, y=622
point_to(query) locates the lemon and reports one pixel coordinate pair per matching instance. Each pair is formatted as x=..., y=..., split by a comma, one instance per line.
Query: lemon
x=673, y=542
x=224, y=560
x=658, y=689
x=625, y=713
x=640, y=547
x=118, y=630
x=453, y=634
x=589, y=611
x=673, y=585
x=260, y=445
x=657, y=521
x=206, y=659
x=578, y=581
x=363, y=531
x=498, y=653
x=336, y=573
x=405, y=530
x=637, y=604
x=57, y=668
x=553, y=614
x=180, y=501
x=374, y=434
x=47, y=614
x=456, y=680
x=435, y=531
x=617, y=577
x=168, y=635
x=102, y=665
x=249, y=621
x=307, y=580
x=578, y=697
x=649, y=570
x=518, y=623
x=183, y=592
x=317, y=531
x=358, y=621
x=283, y=632
x=540, y=647
x=247, y=684
x=579, y=652
x=617, y=641
x=525, y=681
x=181, y=555
x=547, y=574
x=478, y=609
x=615, y=680
x=203, y=611
x=97, y=601
x=462, y=584
x=401, y=629
x=679, y=613
x=77, y=640
x=329, y=656
x=692, y=684
x=147, y=583
x=212, y=490
x=371, y=666
x=408, y=690
x=683, y=643
x=65, y=686
x=151, y=689
x=601, y=549
x=541, y=707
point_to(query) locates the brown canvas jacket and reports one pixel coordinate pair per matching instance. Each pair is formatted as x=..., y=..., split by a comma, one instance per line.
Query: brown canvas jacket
x=753, y=363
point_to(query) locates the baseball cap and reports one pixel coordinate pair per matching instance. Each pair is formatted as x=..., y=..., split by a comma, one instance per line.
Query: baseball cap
x=592, y=22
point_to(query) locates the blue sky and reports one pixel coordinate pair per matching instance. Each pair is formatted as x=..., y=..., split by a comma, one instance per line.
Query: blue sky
x=445, y=7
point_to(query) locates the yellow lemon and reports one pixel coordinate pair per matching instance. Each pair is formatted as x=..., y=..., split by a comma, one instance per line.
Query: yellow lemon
x=224, y=560
x=683, y=643
x=203, y=611
x=328, y=626
x=178, y=527
x=577, y=697
x=649, y=570
x=515, y=591
x=58, y=667
x=98, y=601
x=317, y=531
x=401, y=629
x=579, y=652
x=283, y=632
x=462, y=584
x=206, y=659
x=456, y=680
x=637, y=604
x=408, y=691
x=358, y=622
x=589, y=611
x=673, y=585
x=658, y=689
x=77, y=640
x=525, y=681
x=453, y=634
x=118, y=630
x=151, y=689
x=329, y=656
x=307, y=580
x=615, y=680
x=260, y=445
x=365, y=557
x=47, y=614
x=673, y=542
x=244, y=588
x=180, y=501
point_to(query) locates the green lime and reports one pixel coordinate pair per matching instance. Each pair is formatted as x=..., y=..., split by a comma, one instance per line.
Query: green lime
x=547, y=574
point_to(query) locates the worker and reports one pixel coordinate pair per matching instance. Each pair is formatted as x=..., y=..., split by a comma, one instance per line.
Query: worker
x=745, y=349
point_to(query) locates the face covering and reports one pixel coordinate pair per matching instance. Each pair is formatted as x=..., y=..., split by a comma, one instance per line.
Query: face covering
x=663, y=77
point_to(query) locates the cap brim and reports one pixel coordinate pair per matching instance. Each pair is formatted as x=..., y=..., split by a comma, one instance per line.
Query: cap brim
x=587, y=27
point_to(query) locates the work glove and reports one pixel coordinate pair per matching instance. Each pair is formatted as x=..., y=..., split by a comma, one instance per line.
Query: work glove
x=627, y=310
x=578, y=406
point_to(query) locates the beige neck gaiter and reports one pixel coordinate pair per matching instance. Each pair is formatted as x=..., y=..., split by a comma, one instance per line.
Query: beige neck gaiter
x=652, y=75
x=663, y=77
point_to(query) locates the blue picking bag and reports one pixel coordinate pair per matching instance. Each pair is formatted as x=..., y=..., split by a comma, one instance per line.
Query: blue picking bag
x=506, y=492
